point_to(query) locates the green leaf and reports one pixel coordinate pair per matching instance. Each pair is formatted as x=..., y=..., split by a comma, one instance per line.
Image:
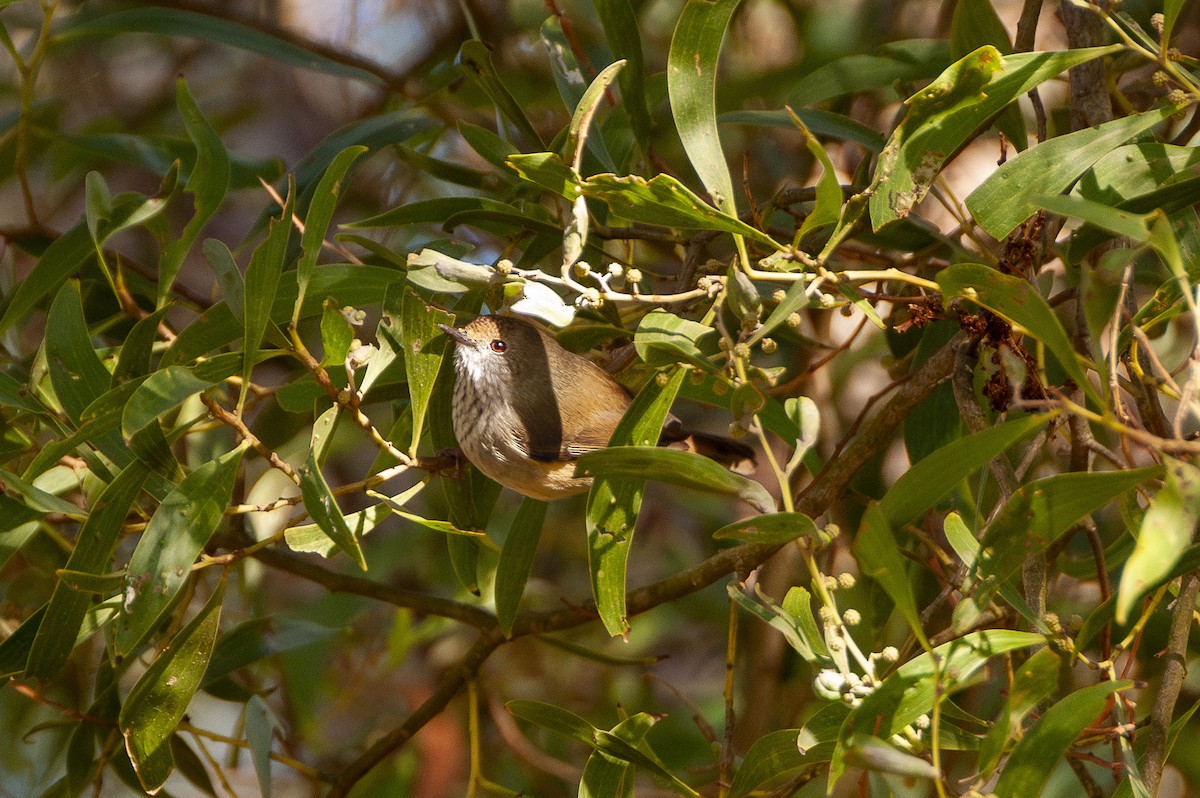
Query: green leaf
x=14, y=649
x=475, y=61
x=161, y=392
x=828, y=207
x=61, y=259
x=907, y=170
x=337, y=334
x=613, y=504
x=910, y=691
x=1033, y=681
x=516, y=560
x=907, y=60
x=260, y=724
x=1167, y=528
x=879, y=558
x=191, y=25
x=311, y=538
x=1037, y=754
x=352, y=284
x=584, y=102
x=93, y=553
x=666, y=202
x=769, y=528
x=137, y=351
x=1018, y=302
x=942, y=117
x=692, y=85
x=33, y=498
x=1009, y=196
x=935, y=476
x=624, y=38
x=424, y=350
x=161, y=696
x=780, y=755
x=1134, y=226
x=821, y=123
x=207, y=183
x=320, y=212
x=323, y=507
x=567, y=723
x=176, y=534
x=605, y=776
x=262, y=283
x=440, y=209
x=675, y=467
x=663, y=338
x=76, y=372
x=1040, y=512
x=794, y=622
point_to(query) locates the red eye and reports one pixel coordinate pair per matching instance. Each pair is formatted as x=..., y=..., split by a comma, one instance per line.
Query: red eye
x=498, y=346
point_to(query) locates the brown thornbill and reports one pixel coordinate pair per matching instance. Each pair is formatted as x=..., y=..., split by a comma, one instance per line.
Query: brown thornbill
x=525, y=409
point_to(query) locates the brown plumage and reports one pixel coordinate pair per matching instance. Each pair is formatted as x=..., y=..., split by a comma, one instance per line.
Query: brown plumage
x=525, y=408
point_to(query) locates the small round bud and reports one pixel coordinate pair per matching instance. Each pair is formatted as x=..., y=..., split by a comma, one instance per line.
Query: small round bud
x=634, y=275
x=741, y=351
x=793, y=320
x=826, y=300
x=826, y=614
x=769, y=346
x=1177, y=97
x=504, y=267
x=581, y=268
x=846, y=579
x=661, y=380
x=831, y=583
x=889, y=654
x=922, y=722
x=1160, y=78
x=1158, y=22
x=1052, y=622
x=616, y=270
x=835, y=644
x=778, y=296
x=1075, y=622
x=851, y=617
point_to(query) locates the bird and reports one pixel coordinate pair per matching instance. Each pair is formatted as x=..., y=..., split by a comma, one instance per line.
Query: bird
x=525, y=409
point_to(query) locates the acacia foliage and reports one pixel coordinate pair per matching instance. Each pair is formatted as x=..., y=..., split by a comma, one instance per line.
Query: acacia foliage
x=227, y=515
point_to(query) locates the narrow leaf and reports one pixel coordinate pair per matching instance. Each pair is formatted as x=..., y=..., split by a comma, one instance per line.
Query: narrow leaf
x=161, y=696
x=692, y=85
x=1009, y=196
x=613, y=504
x=1040, y=512
x=516, y=560
x=1167, y=528
x=1018, y=302
x=675, y=467
x=176, y=534
x=424, y=350
x=207, y=183
x=1037, y=754
x=320, y=212
x=93, y=553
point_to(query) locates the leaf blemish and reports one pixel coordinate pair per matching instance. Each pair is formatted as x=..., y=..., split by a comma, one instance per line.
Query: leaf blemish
x=696, y=61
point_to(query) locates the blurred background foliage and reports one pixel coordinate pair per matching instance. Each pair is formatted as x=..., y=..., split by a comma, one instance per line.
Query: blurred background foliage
x=142, y=139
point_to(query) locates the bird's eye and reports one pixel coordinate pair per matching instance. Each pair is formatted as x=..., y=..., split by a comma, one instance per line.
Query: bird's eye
x=498, y=346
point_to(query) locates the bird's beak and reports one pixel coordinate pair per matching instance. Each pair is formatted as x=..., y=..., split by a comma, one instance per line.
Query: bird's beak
x=454, y=333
